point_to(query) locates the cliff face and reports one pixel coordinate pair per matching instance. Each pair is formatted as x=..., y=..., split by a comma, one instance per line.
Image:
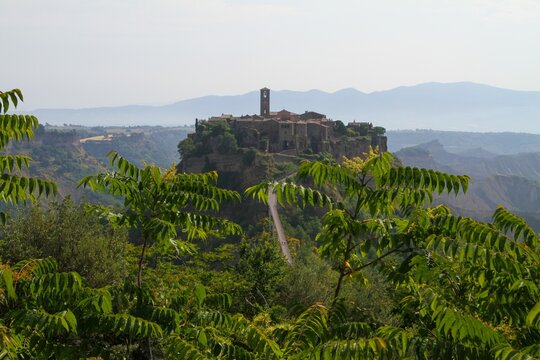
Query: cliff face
x=235, y=171
x=243, y=168
x=246, y=167
x=356, y=146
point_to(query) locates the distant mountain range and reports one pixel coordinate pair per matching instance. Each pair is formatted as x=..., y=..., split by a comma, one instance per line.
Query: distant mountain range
x=453, y=106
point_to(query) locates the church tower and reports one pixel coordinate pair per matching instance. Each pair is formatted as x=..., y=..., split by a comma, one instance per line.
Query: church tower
x=265, y=102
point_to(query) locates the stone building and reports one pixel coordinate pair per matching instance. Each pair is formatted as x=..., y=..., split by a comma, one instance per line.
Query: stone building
x=291, y=133
x=281, y=131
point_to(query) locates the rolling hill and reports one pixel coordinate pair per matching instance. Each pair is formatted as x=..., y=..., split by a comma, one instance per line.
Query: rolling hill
x=61, y=156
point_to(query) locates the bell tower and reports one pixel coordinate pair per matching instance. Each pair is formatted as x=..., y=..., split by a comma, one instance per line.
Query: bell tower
x=265, y=102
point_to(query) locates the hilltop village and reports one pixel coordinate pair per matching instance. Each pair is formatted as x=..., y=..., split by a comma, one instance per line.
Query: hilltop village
x=246, y=150
x=286, y=132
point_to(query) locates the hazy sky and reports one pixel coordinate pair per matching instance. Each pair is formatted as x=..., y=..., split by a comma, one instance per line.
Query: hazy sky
x=81, y=53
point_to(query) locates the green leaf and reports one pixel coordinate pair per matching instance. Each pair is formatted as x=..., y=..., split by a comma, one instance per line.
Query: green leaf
x=200, y=293
x=5, y=102
x=202, y=339
x=13, y=98
x=7, y=279
x=532, y=316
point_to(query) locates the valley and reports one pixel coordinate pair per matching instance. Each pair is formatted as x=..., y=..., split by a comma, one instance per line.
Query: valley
x=66, y=154
x=512, y=181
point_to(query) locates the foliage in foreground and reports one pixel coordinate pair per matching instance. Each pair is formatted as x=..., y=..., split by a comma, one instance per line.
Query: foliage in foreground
x=16, y=188
x=49, y=312
x=168, y=209
x=78, y=239
x=468, y=289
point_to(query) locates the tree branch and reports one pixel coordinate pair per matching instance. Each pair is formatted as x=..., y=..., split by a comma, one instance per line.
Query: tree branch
x=342, y=269
x=390, y=252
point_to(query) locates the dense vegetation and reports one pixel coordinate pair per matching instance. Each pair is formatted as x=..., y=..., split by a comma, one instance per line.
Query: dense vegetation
x=211, y=137
x=387, y=275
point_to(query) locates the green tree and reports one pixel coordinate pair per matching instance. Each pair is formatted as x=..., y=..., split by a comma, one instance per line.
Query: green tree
x=263, y=266
x=15, y=187
x=163, y=205
x=78, y=239
x=186, y=148
x=378, y=130
x=374, y=195
x=51, y=314
x=226, y=143
x=339, y=127
x=210, y=137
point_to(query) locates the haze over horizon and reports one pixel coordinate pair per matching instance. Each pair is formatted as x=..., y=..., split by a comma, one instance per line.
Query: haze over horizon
x=451, y=106
x=80, y=54
x=159, y=104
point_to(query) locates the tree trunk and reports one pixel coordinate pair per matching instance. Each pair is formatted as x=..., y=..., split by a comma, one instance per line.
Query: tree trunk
x=139, y=284
x=141, y=258
x=342, y=274
x=338, y=287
